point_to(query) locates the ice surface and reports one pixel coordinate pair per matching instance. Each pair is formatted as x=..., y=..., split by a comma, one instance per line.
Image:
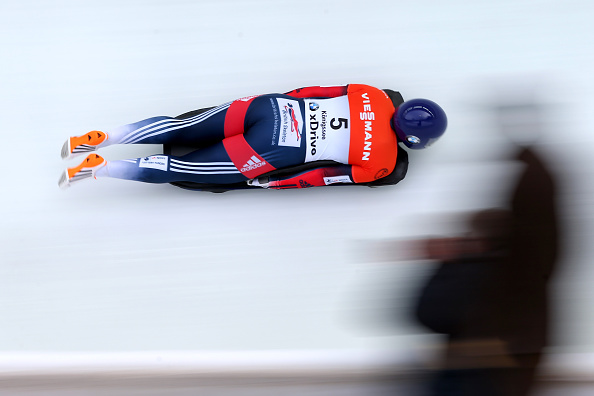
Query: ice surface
x=114, y=266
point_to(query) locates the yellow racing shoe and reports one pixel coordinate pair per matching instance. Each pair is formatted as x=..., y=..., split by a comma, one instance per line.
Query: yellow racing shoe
x=85, y=170
x=82, y=144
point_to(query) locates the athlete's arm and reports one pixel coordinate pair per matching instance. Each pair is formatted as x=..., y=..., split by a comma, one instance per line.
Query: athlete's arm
x=312, y=178
x=318, y=92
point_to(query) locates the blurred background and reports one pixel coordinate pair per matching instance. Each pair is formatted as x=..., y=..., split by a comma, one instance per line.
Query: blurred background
x=117, y=275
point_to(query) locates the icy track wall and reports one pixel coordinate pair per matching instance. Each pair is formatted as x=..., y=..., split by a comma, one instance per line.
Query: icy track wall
x=113, y=266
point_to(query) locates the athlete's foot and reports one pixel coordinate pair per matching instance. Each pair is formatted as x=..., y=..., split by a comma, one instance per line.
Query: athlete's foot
x=85, y=170
x=82, y=144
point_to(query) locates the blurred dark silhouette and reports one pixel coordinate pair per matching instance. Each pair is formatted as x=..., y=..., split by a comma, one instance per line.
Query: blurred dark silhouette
x=489, y=295
x=463, y=301
x=534, y=252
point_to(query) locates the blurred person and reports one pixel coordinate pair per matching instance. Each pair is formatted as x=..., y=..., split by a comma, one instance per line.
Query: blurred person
x=535, y=240
x=489, y=295
x=534, y=251
x=462, y=300
x=313, y=136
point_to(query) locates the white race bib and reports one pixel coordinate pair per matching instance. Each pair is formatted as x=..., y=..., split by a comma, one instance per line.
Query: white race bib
x=327, y=129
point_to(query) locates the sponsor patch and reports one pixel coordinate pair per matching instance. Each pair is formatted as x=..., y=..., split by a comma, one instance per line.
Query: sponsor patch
x=381, y=173
x=158, y=162
x=291, y=123
x=337, y=179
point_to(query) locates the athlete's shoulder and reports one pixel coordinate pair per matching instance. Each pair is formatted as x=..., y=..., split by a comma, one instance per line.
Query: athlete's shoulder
x=358, y=86
x=395, y=97
x=319, y=91
x=357, y=92
x=366, y=97
x=353, y=88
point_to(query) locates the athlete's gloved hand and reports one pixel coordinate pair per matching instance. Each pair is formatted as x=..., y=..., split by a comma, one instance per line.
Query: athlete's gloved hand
x=259, y=182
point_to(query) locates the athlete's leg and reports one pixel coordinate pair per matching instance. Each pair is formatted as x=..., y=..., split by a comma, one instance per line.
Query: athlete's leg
x=207, y=165
x=197, y=129
x=264, y=146
x=235, y=159
x=190, y=129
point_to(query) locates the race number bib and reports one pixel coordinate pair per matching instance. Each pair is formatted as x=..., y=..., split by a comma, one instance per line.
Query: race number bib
x=327, y=129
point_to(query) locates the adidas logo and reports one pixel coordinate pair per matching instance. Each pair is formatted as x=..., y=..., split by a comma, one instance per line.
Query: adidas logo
x=305, y=184
x=253, y=163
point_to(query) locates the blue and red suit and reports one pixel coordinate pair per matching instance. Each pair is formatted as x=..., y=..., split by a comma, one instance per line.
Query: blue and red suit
x=350, y=126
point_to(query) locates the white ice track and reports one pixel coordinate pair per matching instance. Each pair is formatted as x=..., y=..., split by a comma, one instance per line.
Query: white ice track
x=114, y=266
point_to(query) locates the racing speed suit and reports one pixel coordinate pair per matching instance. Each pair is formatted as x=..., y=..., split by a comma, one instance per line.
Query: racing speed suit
x=253, y=136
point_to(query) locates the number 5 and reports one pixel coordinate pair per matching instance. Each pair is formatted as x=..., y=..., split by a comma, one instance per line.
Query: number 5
x=341, y=122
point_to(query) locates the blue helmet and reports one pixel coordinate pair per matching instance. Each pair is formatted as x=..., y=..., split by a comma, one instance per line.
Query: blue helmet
x=419, y=123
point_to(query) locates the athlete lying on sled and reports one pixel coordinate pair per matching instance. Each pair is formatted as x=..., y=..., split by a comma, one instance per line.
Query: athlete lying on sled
x=314, y=136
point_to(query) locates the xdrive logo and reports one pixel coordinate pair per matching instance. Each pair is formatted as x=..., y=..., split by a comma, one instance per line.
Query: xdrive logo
x=313, y=132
